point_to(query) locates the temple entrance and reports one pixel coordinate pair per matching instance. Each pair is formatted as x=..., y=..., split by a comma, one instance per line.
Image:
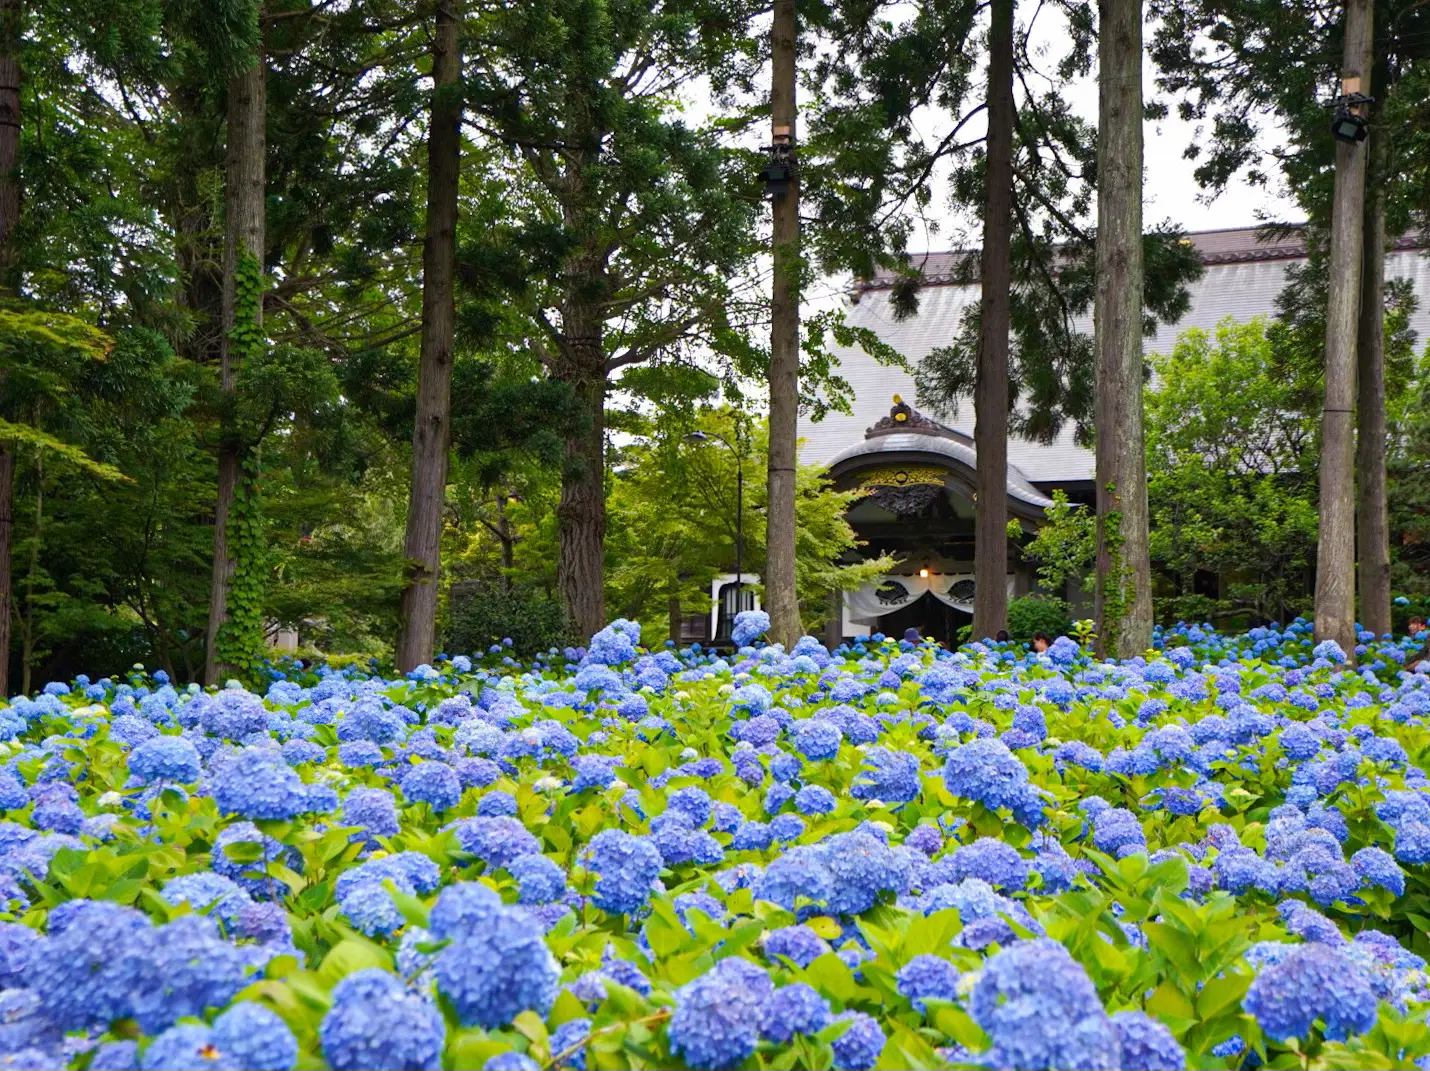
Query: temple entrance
x=933, y=618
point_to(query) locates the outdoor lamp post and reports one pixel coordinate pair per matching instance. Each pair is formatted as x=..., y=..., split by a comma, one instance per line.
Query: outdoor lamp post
x=703, y=437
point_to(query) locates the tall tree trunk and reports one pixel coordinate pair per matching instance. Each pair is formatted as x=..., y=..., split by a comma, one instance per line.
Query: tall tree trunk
x=1372, y=506
x=432, y=428
x=1336, y=552
x=27, y=650
x=1124, y=571
x=508, y=542
x=673, y=618
x=990, y=392
x=10, y=16
x=581, y=513
x=779, y=579
x=243, y=237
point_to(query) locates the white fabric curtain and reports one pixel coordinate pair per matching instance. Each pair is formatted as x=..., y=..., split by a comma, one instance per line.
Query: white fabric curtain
x=893, y=593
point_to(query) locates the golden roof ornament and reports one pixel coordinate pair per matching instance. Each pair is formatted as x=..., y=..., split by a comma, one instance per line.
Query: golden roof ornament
x=904, y=417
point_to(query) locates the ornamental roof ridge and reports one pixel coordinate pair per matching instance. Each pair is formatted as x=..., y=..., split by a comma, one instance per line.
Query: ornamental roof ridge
x=1230, y=245
x=904, y=417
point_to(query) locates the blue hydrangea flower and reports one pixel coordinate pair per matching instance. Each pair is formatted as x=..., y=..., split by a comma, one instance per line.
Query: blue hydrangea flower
x=116, y=1056
x=625, y=867
x=376, y=1021
x=258, y=784
x=511, y=1060
x=814, y=800
x=616, y=643
x=208, y=893
x=1040, y=1010
x=858, y=1048
x=93, y=962
x=786, y=827
x=540, y=880
x=1146, y=1043
x=253, y=1037
x=568, y=1044
x=166, y=758
x=188, y=1046
x=247, y=871
x=1377, y=867
x=817, y=739
x=1315, y=981
x=494, y=969
x=798, y=943
x=986, y=771
x=927, y=976
x=860, y=867
x=993, y=861
x=798, y=873
x=496, y=841
x=718, y=1016
x=749, y=626
x=888, y=775
x=188, y=967
x=796, y=1009
x=374, y=809
x=433, y=783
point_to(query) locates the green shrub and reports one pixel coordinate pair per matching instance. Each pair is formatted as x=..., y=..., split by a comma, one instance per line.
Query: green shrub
x=1037, y=613
x=532, y=619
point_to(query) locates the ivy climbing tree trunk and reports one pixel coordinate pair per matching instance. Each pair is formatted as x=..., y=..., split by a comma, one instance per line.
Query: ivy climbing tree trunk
x=242, y=330
x=1124, y=569
x=1372, y=506
x=432, y=427
x=10, y=16
x=990, y=393
x=779, y=579
x=1336, y=549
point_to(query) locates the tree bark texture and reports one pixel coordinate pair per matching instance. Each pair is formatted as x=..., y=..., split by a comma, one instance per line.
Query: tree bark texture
x=1124, y=572
x=432, y=426
x=1372, y=505
x=243, y=234
x=673, y=618
x=1336, y=552
x=10, y=15
x=779, y=579
x=581, y=513
x=990, y=392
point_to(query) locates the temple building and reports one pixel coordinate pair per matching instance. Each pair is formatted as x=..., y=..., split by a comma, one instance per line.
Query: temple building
x=920, y=467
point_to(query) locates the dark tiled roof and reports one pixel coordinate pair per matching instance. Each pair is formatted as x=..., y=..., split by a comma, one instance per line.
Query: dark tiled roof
x=1236, y=245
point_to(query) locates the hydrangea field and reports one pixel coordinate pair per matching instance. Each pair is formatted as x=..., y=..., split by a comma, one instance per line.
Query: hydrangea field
x=887, y=856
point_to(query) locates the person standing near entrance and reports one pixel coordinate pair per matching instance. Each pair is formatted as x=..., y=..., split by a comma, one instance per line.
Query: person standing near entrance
x=1416, y=627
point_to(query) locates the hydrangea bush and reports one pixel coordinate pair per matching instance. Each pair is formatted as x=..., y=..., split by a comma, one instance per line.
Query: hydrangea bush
x=888, y=855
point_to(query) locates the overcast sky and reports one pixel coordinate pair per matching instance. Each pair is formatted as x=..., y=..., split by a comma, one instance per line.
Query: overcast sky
x=1170, y=191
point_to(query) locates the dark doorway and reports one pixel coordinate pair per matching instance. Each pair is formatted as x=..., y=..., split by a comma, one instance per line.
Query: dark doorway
x=934, y=620
x=725, y=621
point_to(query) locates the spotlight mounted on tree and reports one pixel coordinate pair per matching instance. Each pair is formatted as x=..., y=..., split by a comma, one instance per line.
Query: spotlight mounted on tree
x=779, y=170
x=1348, y=122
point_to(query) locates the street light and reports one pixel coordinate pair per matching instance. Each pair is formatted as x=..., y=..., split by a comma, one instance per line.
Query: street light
x=701, y=437
x=1348, y=123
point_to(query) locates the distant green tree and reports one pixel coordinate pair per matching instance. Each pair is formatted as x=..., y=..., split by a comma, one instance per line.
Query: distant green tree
x=1231, y=461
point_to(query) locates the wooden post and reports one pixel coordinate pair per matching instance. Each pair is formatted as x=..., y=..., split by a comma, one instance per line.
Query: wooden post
x=1124, y=572
x=990, y=392
x=779, y=579
x=244, y=236
x=432, y=427
x=1372, y=505
x=1335, y=553
x=10, y=14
